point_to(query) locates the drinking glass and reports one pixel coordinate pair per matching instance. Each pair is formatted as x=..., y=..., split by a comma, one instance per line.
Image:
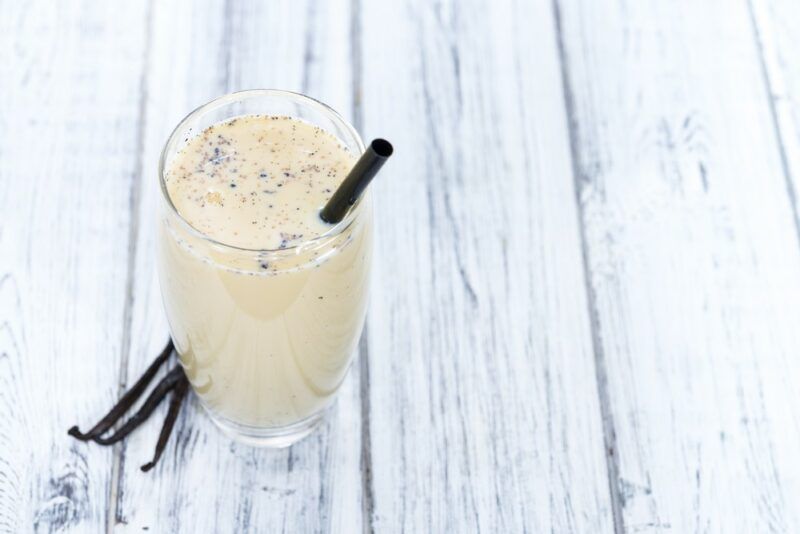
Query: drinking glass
x=264, y=350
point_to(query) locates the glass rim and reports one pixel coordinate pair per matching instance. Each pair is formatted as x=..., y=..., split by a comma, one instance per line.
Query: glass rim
x=229, y=98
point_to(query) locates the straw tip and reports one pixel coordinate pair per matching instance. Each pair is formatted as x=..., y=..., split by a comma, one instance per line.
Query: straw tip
x=382, y=147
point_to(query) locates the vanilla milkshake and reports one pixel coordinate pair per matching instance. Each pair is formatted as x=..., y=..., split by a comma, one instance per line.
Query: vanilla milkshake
x=265, y=301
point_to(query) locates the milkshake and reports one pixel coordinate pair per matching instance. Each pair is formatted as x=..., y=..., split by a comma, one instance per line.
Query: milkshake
x=265, y=301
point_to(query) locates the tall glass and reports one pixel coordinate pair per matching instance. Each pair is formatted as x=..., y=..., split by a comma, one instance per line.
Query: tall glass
x=265, y=351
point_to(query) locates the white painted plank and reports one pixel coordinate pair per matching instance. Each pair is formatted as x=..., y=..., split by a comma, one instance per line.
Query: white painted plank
x=204, y=482
x=694, y=261
x=777, y=26
x=69, y=77
x=484, y=408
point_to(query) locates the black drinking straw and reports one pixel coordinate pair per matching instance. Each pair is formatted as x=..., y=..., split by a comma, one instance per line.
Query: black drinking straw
x=357, y=180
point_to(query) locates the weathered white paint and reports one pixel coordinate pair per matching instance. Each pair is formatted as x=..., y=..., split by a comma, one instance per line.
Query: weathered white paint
x=204, y=482
x=694, y=263
x=777, y=27
x=499, y=388
x=68, y=126
x=484, y=412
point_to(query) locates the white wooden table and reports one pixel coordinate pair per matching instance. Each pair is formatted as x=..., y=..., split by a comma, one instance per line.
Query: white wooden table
x=586, y=308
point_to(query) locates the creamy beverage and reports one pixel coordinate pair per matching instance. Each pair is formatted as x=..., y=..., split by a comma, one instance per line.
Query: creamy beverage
x=265, y=301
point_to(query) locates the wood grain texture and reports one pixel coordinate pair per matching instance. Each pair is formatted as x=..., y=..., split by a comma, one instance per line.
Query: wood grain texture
x=777, y=29
x=484, y=412
x=205, y=483
x=695, y=271
x=587, y=278
x=70, y=84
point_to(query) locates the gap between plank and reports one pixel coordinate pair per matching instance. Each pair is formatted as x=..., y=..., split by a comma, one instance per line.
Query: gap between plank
x=308, y=55
x=367, y=503
x=367, y=487
x=787, y=175
x=601, y=373
x=226, y=46
x=134, y=202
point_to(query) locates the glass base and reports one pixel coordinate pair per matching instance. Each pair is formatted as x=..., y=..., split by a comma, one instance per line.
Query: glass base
x=275, y=437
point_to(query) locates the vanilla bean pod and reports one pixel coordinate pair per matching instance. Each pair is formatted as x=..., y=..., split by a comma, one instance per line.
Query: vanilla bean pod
x=127, y=400
x=166, y=385
x=174, y=381
x=178, y=394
